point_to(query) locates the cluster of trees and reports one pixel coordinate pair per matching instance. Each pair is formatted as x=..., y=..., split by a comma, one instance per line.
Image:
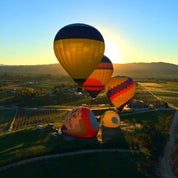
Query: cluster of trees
x=134, y=103
x=158, y=104
x=153, y=142
x=29, y=92
x=150, y=140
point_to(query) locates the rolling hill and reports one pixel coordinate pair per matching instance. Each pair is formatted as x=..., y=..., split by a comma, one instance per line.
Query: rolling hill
x=147, y=70
x=158, y=70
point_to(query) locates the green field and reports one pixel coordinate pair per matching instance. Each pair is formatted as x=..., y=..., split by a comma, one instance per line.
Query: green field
x=110, y=164
x=145, y=132
x=40, y=90
x=167, y=91
x=144, y=95
x=45, y=99
x=149, y=139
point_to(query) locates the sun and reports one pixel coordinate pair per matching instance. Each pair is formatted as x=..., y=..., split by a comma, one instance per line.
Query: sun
x=112, y=51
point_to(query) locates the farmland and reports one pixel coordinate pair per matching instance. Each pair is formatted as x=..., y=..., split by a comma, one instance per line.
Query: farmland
x=6, y=117
x=58, y=91
x=144, y=95
x=26, y=118
x=167, y=91
x=30, y=142
x=46, y=99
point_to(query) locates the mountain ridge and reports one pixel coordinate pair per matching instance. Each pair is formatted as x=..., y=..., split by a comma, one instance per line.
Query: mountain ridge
x=135, y=70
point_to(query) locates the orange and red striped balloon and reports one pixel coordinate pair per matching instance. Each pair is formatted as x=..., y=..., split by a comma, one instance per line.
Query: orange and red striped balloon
x=120, y=89
x=99, y=77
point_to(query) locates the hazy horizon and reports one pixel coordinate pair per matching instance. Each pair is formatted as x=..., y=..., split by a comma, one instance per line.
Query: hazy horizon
x=60, y=64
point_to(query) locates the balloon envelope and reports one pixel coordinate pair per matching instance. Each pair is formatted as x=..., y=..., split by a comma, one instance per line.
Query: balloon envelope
x=79, y=48
x=111, y=119
x=99, y=77
x=120, y=89
x=80, y=122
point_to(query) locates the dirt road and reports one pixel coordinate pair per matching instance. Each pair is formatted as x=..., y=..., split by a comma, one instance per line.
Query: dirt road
x=165, y=166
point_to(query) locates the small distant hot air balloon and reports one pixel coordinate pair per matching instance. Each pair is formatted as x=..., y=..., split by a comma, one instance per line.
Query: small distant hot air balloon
x=79, y=48
x=80, y=122
x=111, y=119
x=120, y=89
x=99, y=77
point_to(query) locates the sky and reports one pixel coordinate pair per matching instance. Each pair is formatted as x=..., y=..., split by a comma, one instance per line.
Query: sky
x=133, y=30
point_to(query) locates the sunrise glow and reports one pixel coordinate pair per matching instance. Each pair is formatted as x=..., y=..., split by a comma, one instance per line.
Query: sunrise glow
x=112, y=51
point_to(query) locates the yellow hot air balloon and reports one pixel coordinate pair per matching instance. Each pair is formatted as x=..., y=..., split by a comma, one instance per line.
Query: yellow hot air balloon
x=111, y=119
x=99, y=77
x=120, y=89
x=79, y=48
